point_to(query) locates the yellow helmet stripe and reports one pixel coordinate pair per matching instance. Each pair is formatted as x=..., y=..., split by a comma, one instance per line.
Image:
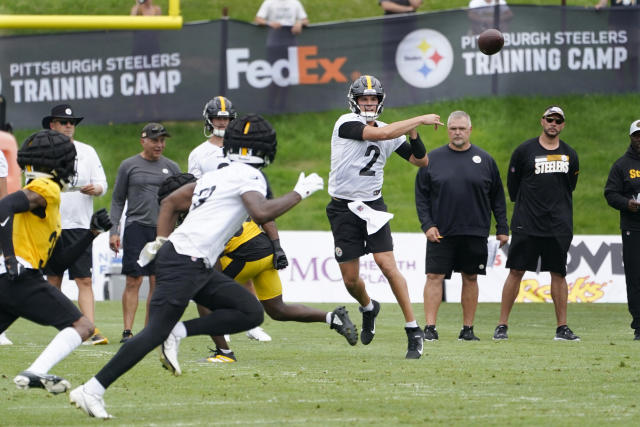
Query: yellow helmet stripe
x=244, y=151
x=246, y=127
x=368, y=82
x=223, y=107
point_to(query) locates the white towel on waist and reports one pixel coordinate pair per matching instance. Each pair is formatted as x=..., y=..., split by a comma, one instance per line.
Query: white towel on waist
x=375, y=219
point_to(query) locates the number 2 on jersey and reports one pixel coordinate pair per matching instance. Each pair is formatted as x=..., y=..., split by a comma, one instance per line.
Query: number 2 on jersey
x=366, y=171
x=202, y=196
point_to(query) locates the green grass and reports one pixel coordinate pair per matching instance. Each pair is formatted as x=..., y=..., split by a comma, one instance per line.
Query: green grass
x=308, y=375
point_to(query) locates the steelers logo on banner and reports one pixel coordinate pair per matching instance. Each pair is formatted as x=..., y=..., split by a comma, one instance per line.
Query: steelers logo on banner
x=424, y=58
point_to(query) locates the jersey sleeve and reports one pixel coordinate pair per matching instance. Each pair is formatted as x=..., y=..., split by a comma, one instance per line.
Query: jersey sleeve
x=254, y=181
x=4, y=166
x=193, y=166
x=48, y=189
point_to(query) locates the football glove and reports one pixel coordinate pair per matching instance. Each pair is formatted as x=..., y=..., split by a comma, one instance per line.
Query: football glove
x=279, y=257
x=307, y=185
x=100, y=221
x=148, y=253
x=14, y=268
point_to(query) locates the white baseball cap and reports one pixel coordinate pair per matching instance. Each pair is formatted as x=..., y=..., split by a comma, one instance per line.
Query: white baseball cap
x=635, y=127
x=553, y=110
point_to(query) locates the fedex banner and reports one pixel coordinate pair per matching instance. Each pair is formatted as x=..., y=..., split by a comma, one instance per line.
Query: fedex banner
x=594, y=271
x=137, y=76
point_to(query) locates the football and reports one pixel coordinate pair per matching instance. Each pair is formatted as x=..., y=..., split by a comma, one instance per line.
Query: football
x=490, y=41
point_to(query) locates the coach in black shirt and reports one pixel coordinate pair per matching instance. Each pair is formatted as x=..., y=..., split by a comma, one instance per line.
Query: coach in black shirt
x=543, y=173
x=455, y=195
x=622, y=192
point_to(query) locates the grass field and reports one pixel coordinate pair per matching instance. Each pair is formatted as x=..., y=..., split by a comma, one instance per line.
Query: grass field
x=308, y=375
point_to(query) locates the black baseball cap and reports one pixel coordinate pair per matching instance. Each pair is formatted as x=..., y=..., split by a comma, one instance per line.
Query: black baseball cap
x=153, y=131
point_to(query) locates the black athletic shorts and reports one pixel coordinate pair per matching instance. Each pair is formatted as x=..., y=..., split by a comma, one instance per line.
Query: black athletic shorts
x=82, y=267
x=135, y=236
x=466, y=254
x=32, y=297
x=525, y=251
x=350, y=238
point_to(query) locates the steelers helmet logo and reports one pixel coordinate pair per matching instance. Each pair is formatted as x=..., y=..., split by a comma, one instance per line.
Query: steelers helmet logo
x=338, y=251
x=424, y=58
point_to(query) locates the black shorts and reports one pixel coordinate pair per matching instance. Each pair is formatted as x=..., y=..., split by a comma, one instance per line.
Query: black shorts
x=466, y=254
x=135, y=236
x=83, y=266
x=525, y=251
x=350, y=238
x=32, y=297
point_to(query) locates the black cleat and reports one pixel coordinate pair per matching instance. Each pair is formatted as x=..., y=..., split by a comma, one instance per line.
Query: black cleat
x=343, y=325
x=563, y=333
x=636, y=335
x=126, y=335
x=369, y=323
x=415, y=337
x=466, y=334
x=52, y=383
x=430, y=333
x=500, y=333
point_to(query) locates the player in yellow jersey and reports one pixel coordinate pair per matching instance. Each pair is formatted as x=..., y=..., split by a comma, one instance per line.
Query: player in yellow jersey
x=248, y=255
x=29, y=229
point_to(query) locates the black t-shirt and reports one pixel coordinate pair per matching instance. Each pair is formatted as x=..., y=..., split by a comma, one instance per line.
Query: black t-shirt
x=622, y=184
x=541, y=183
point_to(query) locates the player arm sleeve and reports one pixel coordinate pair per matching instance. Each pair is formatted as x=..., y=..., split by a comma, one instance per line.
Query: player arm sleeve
x=613, y=189
x=10, y=205
x=351, y=130
x=64, y=256
x=498, y=202
x=118, y=199
x=423, y=200
x=414, y=146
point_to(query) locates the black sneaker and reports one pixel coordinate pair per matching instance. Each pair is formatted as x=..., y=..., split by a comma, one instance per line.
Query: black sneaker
x=415, y=337
x=369, y=323
x=466, y=334
x=500, y=333
x=430, y=333
x=636, y=335
x=342, y=324
x=126, y=335
x=52, y=383
x=563, y=333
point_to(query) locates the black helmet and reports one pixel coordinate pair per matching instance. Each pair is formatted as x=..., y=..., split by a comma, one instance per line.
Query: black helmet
x=218, y=107
x=366, y=85
x=49, y=154
x=172, y=183
x=250, y=139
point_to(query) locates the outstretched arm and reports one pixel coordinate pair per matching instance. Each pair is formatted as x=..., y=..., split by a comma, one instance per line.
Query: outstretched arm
x=396, y=129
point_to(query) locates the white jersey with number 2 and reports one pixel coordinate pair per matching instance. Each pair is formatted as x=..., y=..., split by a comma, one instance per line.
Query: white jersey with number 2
x=357, y=167
x=217, y=211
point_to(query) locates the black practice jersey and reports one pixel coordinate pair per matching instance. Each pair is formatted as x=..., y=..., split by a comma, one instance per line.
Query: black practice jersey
x=541, y=183
x=622, y=184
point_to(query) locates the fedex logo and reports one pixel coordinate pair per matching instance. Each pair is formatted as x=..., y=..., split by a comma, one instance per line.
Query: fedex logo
x=300, y=67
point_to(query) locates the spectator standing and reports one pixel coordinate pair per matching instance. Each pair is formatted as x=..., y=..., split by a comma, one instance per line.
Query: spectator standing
x=145, y=8
x=4, y=172
x=543, y=173
x=360, y=146
x=137, y=182
x=455, y=195
x=482, y=15
x=622, y=192
x=285, y=19
x=76, y=208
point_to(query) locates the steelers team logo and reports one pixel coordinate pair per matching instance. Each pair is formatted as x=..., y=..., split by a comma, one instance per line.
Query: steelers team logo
x=424, y=58
x=338, y=251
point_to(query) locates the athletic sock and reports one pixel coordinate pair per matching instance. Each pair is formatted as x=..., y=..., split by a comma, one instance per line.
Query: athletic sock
x=179, y=330
x=93, y=386
x=225, y=350
x=60, y=346
x=412, y=324
x=368, y=307
x=328, y=317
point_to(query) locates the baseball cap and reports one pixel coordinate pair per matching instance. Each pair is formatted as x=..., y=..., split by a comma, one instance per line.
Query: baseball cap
x=554, y=109
x=635, y=127
x=153, y=131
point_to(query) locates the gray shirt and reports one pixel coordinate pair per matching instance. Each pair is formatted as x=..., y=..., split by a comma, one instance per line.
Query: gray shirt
x=137, y=183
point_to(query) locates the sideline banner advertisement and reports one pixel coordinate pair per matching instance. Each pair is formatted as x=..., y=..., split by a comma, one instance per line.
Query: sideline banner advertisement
x=594, y=271
x=137, y=76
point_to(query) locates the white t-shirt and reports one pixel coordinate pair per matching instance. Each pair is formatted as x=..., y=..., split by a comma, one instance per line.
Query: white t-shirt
x=76, y=208
x=482, y=3
x=286, y=12
x=206, y=157
x=216, y=211
x=4, y=166
x=357, y=167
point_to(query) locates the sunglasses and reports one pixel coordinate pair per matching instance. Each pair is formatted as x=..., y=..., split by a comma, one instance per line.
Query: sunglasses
x=551, y=120
x=65, y=121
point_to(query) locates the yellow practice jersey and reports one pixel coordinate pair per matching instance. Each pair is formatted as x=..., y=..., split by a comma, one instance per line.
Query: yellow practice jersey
x=249, y=230
x=34, y=236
